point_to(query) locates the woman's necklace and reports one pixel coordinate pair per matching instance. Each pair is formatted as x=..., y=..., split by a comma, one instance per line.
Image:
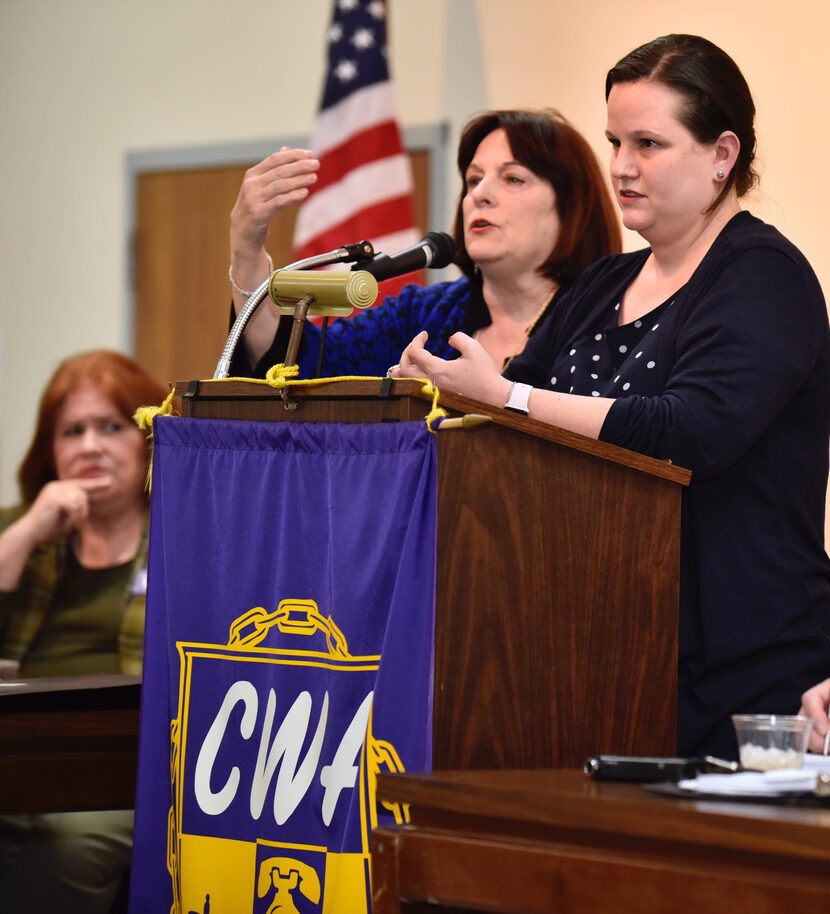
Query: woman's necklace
x=541, y=312
x=506, y=339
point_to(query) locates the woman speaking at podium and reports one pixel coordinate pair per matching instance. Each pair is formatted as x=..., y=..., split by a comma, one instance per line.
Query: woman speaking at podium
x=709, y=348
x=533, y=211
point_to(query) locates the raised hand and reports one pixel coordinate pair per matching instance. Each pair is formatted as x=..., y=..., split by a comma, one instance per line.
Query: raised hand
x=280, y=180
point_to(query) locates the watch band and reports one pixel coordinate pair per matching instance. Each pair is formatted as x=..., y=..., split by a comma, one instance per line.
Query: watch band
x=519, y=397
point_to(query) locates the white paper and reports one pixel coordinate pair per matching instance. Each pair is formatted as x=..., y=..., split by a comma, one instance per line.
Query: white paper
x=817, y=762
x=755, y=783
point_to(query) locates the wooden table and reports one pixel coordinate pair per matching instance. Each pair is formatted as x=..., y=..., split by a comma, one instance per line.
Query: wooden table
x=68, y=743
x=539, y=842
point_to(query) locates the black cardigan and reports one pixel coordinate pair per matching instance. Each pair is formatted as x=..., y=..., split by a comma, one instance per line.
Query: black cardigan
x=738, y=391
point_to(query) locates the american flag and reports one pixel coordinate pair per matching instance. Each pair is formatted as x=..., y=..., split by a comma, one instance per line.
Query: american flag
x=364, y=186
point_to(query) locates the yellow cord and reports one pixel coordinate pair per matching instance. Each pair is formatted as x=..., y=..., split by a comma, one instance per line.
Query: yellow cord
x=278, y=377
x=430, y=390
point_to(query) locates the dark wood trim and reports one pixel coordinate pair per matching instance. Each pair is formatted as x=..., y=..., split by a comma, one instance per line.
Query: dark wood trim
x=539, y=841
x=68, y=743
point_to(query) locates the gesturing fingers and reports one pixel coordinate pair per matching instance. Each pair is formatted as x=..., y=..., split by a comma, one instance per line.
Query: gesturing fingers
x=289, y=175
x=408, y=368
x=285, y=162
x=418, y=362
x=426, y=364
x=281, y=179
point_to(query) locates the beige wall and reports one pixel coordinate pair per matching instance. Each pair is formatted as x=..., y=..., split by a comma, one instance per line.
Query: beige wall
x=83, y=83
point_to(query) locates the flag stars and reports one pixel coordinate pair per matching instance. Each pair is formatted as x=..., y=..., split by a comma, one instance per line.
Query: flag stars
x=376, y=9
x=345, y=71
x=347, y=5
x=335, y=32
x=363, y=39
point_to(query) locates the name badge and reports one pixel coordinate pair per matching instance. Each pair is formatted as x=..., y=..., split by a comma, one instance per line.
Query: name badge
x=138, y=588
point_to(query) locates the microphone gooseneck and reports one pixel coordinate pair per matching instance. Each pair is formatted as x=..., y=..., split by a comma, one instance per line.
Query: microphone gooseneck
x=360, y=251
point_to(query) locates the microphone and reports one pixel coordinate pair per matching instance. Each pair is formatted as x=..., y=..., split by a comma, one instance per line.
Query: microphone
x=335, y=293
x=435, y=250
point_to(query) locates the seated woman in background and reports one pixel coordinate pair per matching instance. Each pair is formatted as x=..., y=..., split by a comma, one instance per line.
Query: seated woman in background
x=533, y=211
x=72, y=586
x=711, y=349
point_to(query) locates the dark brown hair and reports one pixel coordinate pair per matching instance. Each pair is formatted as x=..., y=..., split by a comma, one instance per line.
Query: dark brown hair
x=545, y=143
x=715, y=95
x=116, y=376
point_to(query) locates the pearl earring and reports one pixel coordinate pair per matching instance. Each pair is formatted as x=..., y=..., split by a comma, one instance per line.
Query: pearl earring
x=719, y=174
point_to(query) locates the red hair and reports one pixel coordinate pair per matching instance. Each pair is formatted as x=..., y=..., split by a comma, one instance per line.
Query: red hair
x=118, y=377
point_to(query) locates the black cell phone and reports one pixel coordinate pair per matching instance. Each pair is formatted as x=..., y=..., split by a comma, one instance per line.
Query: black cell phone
x=645, y=769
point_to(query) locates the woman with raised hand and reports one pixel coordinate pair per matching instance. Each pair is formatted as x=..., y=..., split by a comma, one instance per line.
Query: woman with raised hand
x=532, y=212
x=709, y=348
x=73, y=559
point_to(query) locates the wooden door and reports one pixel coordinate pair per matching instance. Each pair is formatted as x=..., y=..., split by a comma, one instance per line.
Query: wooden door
x=182, y=297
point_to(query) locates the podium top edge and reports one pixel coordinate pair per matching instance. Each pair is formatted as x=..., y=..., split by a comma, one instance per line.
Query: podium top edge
x=384, y=388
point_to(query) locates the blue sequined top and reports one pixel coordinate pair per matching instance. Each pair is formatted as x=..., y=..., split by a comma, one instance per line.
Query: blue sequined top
x=373, y=340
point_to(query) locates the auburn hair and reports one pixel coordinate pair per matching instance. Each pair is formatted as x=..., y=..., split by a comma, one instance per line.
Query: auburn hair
x=549, y=146
x=118, y=377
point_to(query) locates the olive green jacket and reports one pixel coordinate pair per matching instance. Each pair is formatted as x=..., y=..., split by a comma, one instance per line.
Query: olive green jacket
x=23, y=611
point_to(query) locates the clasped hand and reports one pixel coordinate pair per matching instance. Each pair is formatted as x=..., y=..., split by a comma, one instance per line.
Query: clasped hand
x=61, y=506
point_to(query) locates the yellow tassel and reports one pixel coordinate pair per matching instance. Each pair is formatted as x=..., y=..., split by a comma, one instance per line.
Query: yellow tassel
x=436, y=412
x=144, y=415
x=143, y=418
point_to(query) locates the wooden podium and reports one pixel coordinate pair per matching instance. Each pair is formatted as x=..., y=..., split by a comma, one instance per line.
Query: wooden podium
x=557, y=576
